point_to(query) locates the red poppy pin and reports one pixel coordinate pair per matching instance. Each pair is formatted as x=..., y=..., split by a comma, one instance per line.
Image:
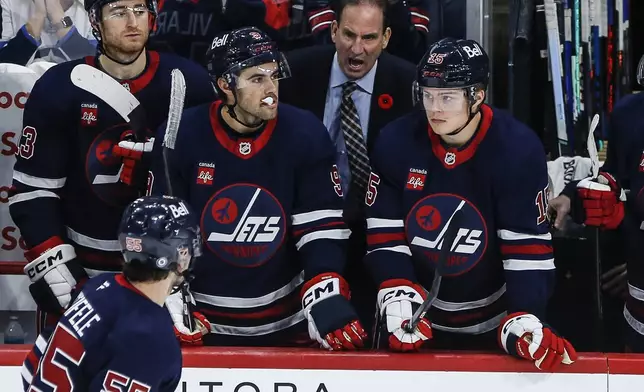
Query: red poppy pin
x=385, y=101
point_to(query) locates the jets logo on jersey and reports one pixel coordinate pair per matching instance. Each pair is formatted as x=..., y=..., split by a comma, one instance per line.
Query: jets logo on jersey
x=427, y=223
x=103, y=169
x=244, y=225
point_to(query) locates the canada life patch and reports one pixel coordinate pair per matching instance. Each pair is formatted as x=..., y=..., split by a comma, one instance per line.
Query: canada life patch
x=89, y=114
x=205, y=173
x=416, y=179
x=244, y=225
x=426, y=225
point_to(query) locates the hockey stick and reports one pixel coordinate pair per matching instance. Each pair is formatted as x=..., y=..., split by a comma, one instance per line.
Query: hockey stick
x=594, y=169
x=554, y=56
x=103, y=86
x=452, y=227
x=175, y=111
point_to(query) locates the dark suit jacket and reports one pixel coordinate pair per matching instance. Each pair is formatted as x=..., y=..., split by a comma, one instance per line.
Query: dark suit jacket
x=311, y=69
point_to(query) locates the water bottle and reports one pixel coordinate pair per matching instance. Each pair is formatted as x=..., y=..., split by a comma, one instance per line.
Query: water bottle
x=14, y=334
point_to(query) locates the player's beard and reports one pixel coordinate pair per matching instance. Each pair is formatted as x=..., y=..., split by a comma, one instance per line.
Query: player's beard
x=253, y=110
x=124, y=48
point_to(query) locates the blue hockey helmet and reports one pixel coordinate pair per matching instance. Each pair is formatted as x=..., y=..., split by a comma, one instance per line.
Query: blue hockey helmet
x=453, y=63
x=233, y=51
x=161, y=232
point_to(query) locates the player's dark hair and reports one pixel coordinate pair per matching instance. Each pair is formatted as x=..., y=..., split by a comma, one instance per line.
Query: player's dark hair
x=339, y=5
x=135, y=271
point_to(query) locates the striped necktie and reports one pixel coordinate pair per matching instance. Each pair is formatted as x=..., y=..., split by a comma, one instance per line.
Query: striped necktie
x=354, y=141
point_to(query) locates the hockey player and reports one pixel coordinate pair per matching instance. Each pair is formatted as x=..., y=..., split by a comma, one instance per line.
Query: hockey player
x=460, y=154
x=76, y=155
x=116, y=335
x=601, y=202
x=263, y=176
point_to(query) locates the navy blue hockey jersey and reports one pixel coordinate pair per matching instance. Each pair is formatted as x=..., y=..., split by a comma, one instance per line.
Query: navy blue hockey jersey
x=625, y=161
x=111, y=338
x=271, y=218
x=502, y=258
x=65, y=176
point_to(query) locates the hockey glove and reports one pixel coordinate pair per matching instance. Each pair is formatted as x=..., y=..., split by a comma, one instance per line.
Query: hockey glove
x=134, y=155
x=175, y=305
x=332, y=321
x=54, y=275
x=523, y=335
x=398, y=299
x=602, y=200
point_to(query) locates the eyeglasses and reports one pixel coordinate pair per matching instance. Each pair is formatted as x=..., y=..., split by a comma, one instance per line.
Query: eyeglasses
x=121, y=11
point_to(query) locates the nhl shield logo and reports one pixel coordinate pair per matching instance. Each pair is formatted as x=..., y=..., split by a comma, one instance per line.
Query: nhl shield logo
x=245, y=148
x=450, y=158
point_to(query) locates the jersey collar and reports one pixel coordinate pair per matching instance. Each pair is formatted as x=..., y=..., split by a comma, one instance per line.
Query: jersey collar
x=451, y=157
x=242, y=147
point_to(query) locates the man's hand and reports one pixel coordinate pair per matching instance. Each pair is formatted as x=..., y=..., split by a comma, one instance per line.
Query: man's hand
x=332, y=321
x=174, y=303
x=603, y=201
x=134, y=155
x=615, y=281
x=559, y=208
x=55, y=275
x=523, y=335
x=398, y=299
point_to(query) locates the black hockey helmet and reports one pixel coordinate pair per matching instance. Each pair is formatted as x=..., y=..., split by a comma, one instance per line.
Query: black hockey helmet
x=161, y=232
x=453, y=63
x=233, y=51
x=94, y=7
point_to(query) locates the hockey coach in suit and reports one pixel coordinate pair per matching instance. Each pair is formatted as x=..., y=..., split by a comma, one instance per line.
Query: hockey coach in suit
x=355, y=88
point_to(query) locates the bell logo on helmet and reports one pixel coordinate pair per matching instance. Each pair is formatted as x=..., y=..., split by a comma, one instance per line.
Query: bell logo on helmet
x=179, y=211
x=219, y=41
x=473, y=51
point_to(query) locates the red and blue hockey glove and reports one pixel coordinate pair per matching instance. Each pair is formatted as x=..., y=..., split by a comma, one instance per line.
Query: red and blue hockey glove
x=332, y=321
x=174, y=303
x=134, y=155
x=523, y=335
x=398, y=299
x=55, y=275
x=602, y=200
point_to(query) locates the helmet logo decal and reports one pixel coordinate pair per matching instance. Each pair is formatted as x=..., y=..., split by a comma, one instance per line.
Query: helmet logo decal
x=436, y=58
x=473, y=51
x=219, y=41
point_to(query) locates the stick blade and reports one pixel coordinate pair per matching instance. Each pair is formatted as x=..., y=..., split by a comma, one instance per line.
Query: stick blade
x=592, y=146
x=103, y=86
x=177, y=99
